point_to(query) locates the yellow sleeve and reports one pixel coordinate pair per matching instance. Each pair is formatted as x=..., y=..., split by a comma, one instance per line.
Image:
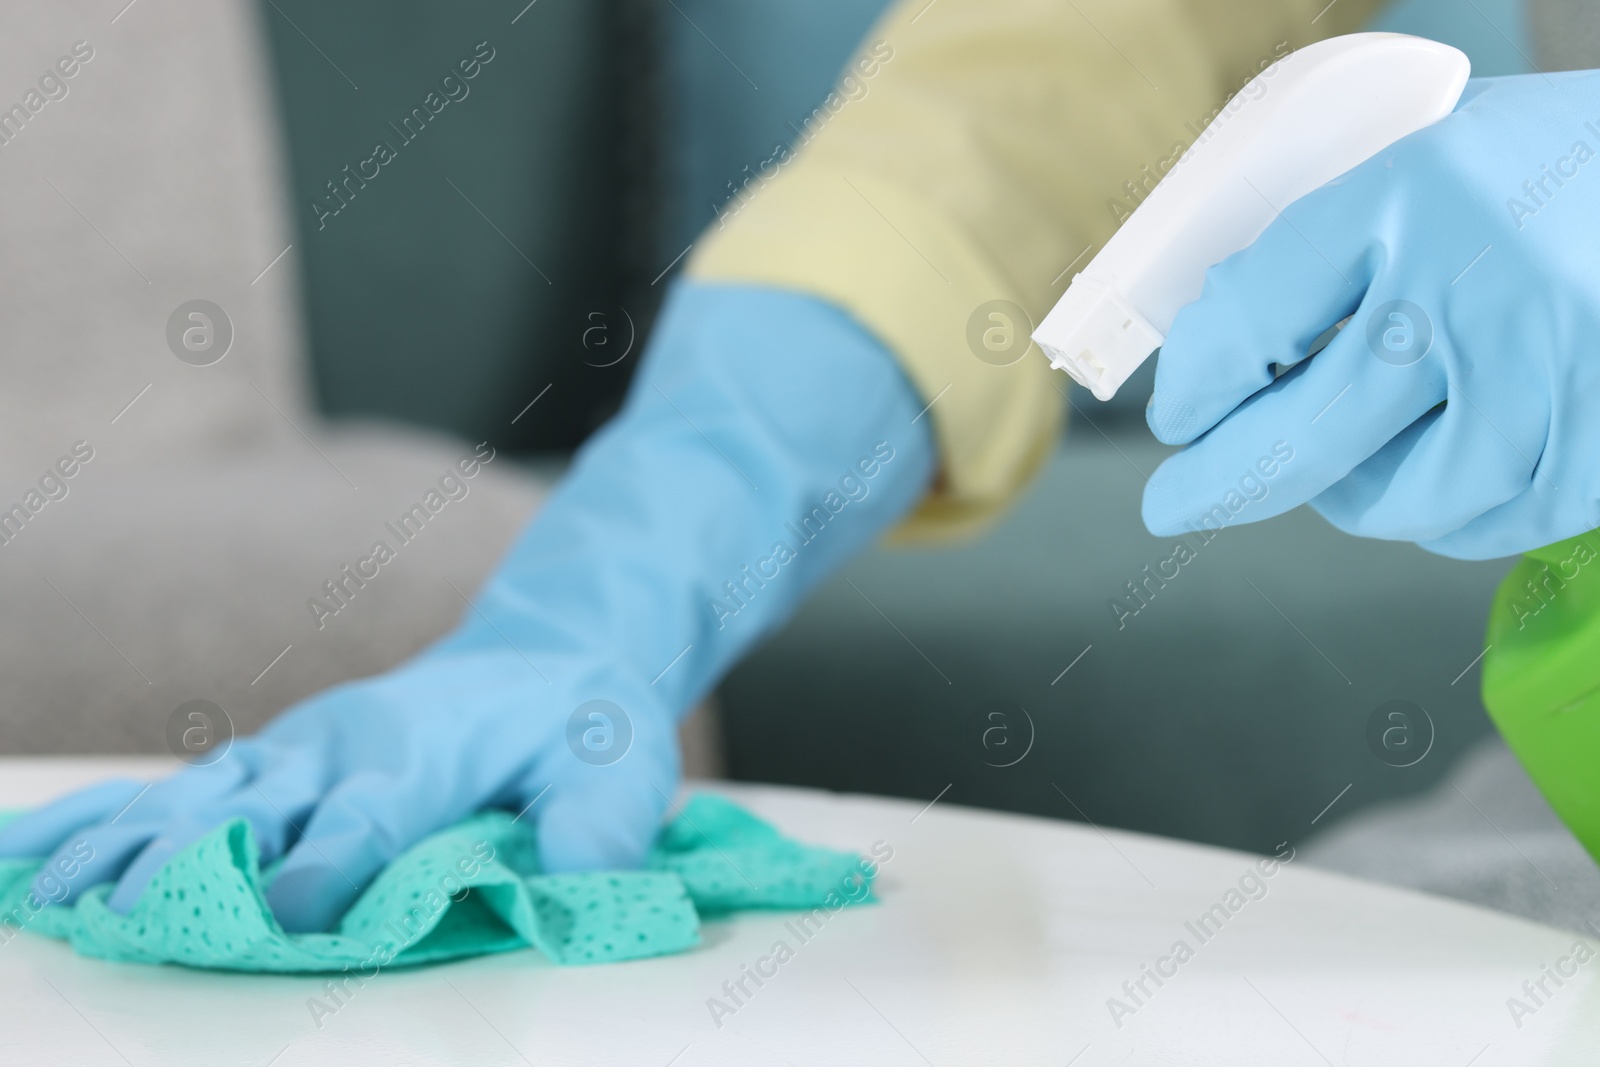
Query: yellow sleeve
x=981, y=150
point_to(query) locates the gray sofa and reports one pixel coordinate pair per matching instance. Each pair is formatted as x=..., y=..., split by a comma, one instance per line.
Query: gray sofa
x=180, y=562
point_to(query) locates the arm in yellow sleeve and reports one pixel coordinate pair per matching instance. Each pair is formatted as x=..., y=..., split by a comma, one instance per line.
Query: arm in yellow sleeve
x=981, y=150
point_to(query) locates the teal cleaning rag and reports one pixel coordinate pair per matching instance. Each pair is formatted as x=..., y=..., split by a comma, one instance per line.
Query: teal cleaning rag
x=466, y=891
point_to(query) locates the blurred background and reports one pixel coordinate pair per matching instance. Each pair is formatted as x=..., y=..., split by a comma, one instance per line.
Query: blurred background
x=496, y=282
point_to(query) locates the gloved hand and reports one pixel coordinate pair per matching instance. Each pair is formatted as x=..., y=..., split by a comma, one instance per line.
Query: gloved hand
x=1460, y=407
x=766, y=439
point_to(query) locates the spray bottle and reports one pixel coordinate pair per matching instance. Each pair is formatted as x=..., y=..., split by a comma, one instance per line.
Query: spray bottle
x=1298, y=125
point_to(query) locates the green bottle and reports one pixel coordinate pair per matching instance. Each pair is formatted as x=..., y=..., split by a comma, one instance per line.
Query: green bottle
x=1541, y=676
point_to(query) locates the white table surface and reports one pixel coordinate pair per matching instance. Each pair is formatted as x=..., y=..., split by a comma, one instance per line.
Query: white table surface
x=999, y=939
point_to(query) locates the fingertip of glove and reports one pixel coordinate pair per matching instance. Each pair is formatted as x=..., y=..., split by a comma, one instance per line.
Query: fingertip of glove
x=309, y=898
x=42, y=830
x=1172, y=421
x=1160, y=509
x=136, y=879
x=592, y=835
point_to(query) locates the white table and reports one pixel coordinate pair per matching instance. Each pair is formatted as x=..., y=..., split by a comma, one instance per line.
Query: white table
x=999, y=939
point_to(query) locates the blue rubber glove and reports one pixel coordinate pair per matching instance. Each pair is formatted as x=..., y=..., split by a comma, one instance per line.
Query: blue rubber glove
x=766, y=440
x=1460, y=407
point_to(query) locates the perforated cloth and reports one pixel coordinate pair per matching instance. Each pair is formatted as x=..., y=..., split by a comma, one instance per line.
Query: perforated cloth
x=469, y=890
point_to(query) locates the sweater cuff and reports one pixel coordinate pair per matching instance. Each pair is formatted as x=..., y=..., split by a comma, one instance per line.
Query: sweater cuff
x=913, y=279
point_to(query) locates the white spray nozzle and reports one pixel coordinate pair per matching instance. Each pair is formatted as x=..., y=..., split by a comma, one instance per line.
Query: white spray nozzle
x=1105, y=339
